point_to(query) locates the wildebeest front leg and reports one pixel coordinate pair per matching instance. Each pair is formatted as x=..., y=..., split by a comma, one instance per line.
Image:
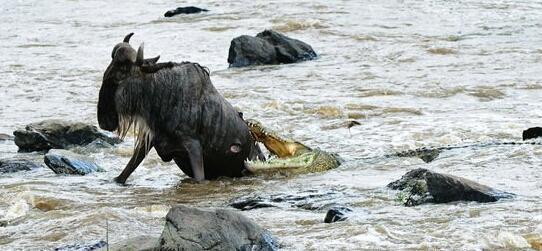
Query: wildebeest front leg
x=193, y=147
x=138, y=156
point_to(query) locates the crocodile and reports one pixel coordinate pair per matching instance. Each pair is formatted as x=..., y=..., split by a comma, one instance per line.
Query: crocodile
x=288, y=156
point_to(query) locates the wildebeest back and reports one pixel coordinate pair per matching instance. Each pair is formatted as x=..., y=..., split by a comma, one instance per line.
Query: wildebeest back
x=182, y=102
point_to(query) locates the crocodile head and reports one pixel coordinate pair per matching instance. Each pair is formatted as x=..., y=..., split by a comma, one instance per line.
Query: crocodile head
x=290, y=156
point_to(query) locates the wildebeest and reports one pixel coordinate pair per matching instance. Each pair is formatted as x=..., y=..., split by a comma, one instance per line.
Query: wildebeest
x=174, y=108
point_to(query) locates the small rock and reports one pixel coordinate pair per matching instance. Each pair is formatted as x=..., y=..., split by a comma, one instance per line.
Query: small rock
x=249, y=204
x=337, y=214
x=425, y=154
x=268, y=47
x=421, y=186
x=66, y=162
x=15, y=165
x=138, y=243
x=195, y=229
x=184, y=10
x=308, y=200
x=532, y=133
x=82, y=247
x=58, y=134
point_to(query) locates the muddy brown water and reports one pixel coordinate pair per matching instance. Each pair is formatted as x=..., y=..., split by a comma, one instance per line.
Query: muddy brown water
x=413, y=73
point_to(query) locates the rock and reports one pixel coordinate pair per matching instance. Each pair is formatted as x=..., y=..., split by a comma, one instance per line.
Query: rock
x=337, y=214
x=268, y=47
x=66, y=162
x=421, y=186
x=59, y=134
x=426, y=154
x=250, y=203
x=4, y=137
x=532, y=133
x=308, y=200
x=184, y=10
x=82, y=247
x=138, y=243
x=195, y=229
x=15, y=165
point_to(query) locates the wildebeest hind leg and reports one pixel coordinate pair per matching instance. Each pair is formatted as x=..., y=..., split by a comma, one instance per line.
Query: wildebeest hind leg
x=138, y=156
x=193, y=147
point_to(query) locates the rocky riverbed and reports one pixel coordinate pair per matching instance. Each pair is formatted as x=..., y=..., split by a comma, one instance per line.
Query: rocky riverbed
x=412, y=73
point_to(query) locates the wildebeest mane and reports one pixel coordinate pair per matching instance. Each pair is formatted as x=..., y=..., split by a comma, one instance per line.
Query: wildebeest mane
x=138, y=87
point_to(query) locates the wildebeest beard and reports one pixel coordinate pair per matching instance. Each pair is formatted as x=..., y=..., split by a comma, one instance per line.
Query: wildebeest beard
x=176, y=109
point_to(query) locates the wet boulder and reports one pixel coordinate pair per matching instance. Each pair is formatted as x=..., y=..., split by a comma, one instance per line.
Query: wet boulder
x=189, y=228
x=83, y=246
x=59, y=134
x=308, y=200
x=532, y=133
x=12, y=165
x=184, y=10
x=268, y=47
x=66, y=162
x=421, y=186
x=336, y=214
x=144, y=242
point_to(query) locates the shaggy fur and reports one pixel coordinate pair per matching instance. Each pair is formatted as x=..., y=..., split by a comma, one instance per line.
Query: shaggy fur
x=177, y=110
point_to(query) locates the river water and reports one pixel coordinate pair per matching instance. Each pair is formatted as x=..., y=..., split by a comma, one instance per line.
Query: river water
x=413, y=73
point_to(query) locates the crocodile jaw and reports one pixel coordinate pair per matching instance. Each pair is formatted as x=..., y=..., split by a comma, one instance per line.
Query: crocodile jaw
x=277, y=145
x=302, y=161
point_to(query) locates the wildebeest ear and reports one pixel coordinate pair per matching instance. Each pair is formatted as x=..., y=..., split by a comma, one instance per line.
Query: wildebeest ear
x=139, y=58
x=150, y=61
x=127, y=37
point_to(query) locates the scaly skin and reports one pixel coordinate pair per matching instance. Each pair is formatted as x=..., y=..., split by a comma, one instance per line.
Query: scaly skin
x=292, y=157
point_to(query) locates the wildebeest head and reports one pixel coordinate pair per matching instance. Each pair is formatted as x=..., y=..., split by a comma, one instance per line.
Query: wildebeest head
x=125, y=61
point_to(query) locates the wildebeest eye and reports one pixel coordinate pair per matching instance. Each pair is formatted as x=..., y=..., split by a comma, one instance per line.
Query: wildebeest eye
x=235, y=148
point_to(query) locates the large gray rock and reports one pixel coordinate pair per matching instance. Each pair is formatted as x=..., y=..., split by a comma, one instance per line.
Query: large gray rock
x=268, y=47
x=59, y=134
x=423, y=186
x=195, y=229
x=66, y=162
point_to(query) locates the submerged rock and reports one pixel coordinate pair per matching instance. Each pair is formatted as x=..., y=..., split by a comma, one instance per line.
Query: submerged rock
x=59, y=134
x=83, y=247
x=144, y=242
x=423, y=186
x=426, y=154
x=195, y=229
x=184, y=10
x=250, y=203
x=309, y=200
x=337, y=214
x=268, y=47
x=15, y=165
x=532, y=133
x=66, y=162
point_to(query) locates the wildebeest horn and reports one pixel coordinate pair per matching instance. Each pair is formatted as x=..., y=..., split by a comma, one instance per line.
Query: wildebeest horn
x=127, y=38
x=139, y=58
x=151, y=61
